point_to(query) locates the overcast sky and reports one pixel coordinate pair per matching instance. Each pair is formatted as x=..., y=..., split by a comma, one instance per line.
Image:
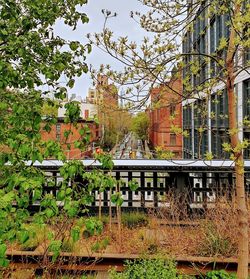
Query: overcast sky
x=122, y=25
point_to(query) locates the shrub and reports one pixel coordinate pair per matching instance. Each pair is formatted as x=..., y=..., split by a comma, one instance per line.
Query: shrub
x=100, y=245
x=35, y=235
x=220, y=274
x=67, y=245
x=93, y=226
x=216, y=243
x=134, y=219
x=148, y=269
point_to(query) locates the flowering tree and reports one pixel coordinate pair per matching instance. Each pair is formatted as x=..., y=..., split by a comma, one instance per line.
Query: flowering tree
x=209, y=42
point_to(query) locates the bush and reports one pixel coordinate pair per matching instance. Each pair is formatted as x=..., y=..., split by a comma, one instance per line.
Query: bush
x=35, y=237
x=216, y=243
x=67, y=245
x=93, y=226
x=220, y=274
x=100, y=245
x=148, y=269
x=134, y=219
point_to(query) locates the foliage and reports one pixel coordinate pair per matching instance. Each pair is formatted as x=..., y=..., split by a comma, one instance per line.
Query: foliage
x=33, y=60
x=31, y=236
x=221, y=274
x=148, y=269
x=206, y=73
x=116, y=123
x=100, y=245
x=134, y=219
x=163, y=153
x=93, y=226
x=67, y=245
x=140, y=124
x=215, y=243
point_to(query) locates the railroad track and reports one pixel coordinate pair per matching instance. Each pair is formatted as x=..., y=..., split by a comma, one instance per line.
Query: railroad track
x=97, y=262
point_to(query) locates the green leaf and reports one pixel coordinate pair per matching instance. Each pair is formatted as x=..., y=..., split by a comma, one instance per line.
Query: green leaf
x=49, y=212
x=60, y=195
x=3, y=249
x=72, y=170
x=71, y=83
x=75, y=233
x=68, y=191
x=55, y=248
x=133, y=185
x=23, y=236
x=4, y=262
x=73, y=45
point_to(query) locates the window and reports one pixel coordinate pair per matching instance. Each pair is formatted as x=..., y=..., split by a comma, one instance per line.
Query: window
x=58, y=128
x=58, y=132
x=172, y=109
x=219, y=29
x=246, y=99
x=246, y=56
x=172, y=139
x=212, y=36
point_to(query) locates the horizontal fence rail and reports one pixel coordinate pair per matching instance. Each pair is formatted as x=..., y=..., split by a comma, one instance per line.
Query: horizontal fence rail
x=197, y=184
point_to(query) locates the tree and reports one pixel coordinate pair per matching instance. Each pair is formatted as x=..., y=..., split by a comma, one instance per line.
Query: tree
x=140, y=124
x=113, y=119
x=116, y=123
x=33, y=57
x=204, y=72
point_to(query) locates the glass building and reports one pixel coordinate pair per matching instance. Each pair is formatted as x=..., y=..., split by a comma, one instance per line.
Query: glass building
x=205, y=105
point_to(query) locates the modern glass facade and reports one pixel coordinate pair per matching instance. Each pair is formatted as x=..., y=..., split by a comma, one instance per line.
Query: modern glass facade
x=205, y=115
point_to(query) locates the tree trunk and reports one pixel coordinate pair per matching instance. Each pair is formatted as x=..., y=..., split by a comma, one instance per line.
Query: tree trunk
x=110, y=210
x=242, y=271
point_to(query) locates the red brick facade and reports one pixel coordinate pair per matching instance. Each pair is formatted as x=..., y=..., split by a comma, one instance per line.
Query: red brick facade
x=166, y=117
x=57, y=134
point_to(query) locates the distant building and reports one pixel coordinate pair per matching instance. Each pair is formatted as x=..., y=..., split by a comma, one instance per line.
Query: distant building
x=106, y=93
x=88, y=110
x=165, y=116
x=71, y=152
x=87, y=122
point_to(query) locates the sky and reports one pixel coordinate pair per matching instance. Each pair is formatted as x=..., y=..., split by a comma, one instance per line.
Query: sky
x=122, y=25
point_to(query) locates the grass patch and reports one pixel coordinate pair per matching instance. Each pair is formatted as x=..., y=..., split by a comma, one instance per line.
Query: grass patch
x=134, y=219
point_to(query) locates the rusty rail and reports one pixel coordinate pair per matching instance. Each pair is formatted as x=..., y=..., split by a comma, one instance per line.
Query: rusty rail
x=72, y=262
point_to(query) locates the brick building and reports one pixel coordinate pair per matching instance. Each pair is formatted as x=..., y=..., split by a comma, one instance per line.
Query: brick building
x=166, y=117
x=88, y=112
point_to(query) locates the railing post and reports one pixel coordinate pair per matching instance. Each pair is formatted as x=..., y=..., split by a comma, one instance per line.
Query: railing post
x=142, y=186
x=155, y=189
x=130, y=194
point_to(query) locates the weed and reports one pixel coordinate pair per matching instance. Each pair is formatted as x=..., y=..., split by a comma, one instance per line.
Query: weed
x=67, y=245
x=148, y=269
x=220, y=274
x=134, y=219
x=100, y=245
x=92, y=226
x=35, y=236
x=215, y=243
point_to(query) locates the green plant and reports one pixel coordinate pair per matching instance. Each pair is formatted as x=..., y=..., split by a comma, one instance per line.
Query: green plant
x=67, y=245
x=220, y=274
x=31, y=236
x=148, y=269
x=93, y=226
x=134, y=219
x=215, y=243
x=100, y=245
